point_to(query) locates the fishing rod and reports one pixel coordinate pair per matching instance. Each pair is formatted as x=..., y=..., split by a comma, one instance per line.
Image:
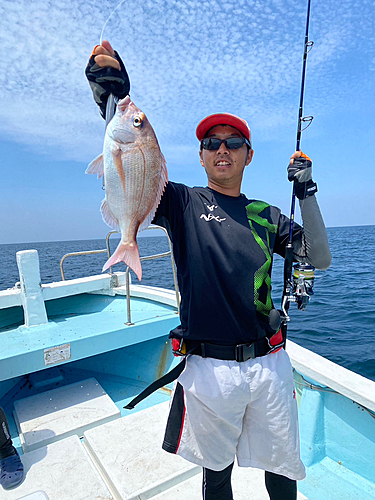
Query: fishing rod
x=298, y=288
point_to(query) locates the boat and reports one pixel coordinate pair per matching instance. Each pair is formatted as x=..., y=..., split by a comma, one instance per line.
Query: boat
x=75, y=352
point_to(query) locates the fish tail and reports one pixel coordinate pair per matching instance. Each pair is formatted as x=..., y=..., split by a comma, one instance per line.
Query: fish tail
x=128, y=253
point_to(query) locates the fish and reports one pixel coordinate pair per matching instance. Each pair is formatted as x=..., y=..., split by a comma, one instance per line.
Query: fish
x=135, y=176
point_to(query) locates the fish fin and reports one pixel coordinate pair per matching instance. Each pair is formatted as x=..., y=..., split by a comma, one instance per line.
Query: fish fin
x=96, y=166
x=128, y=253
x=108, y=216
x=162, y=183
x=124, y=103
x=146, y=222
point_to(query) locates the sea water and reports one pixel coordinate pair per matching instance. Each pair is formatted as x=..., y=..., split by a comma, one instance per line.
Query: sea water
x=339, y=322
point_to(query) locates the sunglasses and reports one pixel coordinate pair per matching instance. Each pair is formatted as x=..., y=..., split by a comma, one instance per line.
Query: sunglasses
x=213, y=143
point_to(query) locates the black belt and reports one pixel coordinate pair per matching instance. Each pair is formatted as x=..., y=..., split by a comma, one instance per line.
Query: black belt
x=239, y=352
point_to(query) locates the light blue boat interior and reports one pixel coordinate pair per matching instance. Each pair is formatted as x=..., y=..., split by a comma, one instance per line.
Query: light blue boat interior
x=337, y=445
x=124, y=359
x=337, y=434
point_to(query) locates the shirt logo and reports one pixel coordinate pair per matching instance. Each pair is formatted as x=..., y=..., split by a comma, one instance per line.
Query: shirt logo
x=211, y=216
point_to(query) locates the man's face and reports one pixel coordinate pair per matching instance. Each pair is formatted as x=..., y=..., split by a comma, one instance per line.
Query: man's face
x=225, y=167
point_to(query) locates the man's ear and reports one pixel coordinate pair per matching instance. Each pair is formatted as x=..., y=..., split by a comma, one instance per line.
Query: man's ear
x=249, y=158
x=200, y=156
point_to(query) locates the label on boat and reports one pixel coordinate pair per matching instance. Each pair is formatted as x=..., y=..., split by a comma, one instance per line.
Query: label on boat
x=57, y=354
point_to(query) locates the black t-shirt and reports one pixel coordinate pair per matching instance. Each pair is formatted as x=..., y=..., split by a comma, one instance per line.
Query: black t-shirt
x=223, y=247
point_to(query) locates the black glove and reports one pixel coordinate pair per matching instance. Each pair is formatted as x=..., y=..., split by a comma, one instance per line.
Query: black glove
x=107, y=80
x=300, y=171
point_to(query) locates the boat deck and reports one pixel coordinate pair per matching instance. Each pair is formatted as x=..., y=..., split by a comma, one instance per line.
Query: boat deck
x=70, y=361
x=116, y=453
x=120, y=460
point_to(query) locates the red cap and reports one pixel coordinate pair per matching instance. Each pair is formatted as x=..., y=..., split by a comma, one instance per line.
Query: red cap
x=223, y=119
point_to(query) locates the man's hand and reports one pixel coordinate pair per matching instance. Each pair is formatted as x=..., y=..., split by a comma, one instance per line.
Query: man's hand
x=300, y=171
x=300, y=167
x=107, y=75
x=105, y=56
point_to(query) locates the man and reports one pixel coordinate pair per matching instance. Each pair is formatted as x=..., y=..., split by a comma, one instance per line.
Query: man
x=11, y=468
x=235, y=396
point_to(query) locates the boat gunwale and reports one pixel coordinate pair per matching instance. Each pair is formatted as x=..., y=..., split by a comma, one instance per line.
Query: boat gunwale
x=349, y=384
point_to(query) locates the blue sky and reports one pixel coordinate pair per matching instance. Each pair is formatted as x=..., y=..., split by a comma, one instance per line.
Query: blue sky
x=186, y=59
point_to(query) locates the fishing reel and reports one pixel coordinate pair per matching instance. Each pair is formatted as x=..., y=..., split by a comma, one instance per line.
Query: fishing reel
x=303, y=282
x=300, y=288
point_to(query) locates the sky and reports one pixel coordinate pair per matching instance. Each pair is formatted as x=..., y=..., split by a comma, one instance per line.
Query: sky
x=186, y=59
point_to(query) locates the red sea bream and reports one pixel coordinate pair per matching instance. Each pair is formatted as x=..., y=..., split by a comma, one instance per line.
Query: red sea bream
x=135, y=176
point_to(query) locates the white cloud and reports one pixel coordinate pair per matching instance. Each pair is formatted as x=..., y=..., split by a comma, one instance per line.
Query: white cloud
x=186, y=58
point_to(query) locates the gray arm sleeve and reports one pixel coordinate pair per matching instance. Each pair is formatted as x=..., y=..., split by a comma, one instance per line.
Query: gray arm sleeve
x=313, y=247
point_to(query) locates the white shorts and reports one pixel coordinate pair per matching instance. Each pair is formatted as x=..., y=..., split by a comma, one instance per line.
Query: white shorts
x=222, y=409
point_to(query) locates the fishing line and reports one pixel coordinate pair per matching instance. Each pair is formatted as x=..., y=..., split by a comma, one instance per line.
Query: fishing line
x=108, y=18
x=110, y=108
x=111, y=101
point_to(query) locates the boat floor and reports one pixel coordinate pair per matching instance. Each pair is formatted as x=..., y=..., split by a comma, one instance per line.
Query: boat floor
x=121, y=391
x=122, y=459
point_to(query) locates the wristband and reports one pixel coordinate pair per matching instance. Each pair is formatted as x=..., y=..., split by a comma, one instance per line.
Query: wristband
x=305, y=189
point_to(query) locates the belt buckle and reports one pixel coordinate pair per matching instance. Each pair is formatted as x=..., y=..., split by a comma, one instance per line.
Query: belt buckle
x=244, y=352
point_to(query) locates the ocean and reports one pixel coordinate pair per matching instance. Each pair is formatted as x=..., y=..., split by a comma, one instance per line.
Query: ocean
x=339, y=322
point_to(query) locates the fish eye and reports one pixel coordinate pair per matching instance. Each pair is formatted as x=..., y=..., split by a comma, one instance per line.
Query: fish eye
x=137, y=122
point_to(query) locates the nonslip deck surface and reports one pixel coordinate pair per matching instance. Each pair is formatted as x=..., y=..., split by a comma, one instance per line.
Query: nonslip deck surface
x=137, y=467
x=125, y=457
x=53, y=415
x=135, y=464
x=60, y=471
x=121, y=460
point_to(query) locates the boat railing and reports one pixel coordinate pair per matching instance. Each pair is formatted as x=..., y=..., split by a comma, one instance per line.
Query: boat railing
x=88, y=252
x=107, y=250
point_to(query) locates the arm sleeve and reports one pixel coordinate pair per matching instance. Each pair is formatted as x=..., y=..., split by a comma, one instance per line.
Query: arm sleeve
x=310, y=243
x=314, y=245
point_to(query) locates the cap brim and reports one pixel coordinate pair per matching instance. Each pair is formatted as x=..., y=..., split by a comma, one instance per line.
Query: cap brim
x=222, y=119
